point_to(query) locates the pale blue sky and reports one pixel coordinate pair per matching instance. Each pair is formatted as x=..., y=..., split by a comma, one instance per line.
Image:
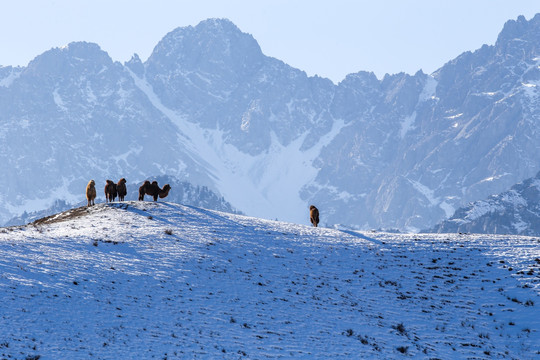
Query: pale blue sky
x=328, y=38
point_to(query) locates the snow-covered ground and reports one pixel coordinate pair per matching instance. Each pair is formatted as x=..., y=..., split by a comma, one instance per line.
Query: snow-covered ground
x=143, y=280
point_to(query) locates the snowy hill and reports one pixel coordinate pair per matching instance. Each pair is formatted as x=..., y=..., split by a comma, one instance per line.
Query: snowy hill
x=209, y=107
x=516, y=211
x=183, y=193
x=161, y=280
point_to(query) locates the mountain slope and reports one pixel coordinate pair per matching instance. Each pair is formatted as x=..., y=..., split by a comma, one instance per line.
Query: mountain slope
x=516, y=211
x=210, y=108
x=171, y=281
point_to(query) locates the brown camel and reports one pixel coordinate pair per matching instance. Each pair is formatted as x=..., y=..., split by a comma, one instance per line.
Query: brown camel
x=314, y=215
x=142, y=189
x=153, y=190
x=122, y=189
x=110, y=191
x=91, y=192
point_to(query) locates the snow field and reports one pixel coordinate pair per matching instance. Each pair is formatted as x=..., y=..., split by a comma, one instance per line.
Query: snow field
x=162, y=280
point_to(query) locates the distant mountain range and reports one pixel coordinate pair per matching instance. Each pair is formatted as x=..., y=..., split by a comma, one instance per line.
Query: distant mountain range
x=209, y=108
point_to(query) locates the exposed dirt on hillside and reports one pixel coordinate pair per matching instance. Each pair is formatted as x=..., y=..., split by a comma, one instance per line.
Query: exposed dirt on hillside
x=76, y=213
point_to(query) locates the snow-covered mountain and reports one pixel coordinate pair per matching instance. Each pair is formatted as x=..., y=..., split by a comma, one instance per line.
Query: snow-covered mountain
x=162, y=280
x=516, y=211
x=208, y=107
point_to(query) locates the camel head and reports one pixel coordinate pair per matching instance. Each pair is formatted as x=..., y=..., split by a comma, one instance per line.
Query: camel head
x=165, y=191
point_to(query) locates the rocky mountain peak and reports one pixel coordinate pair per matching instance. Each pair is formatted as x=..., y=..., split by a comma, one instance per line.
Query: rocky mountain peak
x=76, y=57
x=516, y=33
x=135, y=64
x=514, y=28
x=75, y=51
x=211, y=45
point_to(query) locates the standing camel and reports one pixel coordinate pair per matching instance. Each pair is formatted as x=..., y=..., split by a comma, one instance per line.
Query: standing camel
x=110, y=191
x=153, y=190
x=314, y=215
x=121, y=189
x=91, y=192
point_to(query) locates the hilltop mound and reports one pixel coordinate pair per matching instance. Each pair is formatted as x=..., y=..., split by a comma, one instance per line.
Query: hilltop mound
x=162, y=280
